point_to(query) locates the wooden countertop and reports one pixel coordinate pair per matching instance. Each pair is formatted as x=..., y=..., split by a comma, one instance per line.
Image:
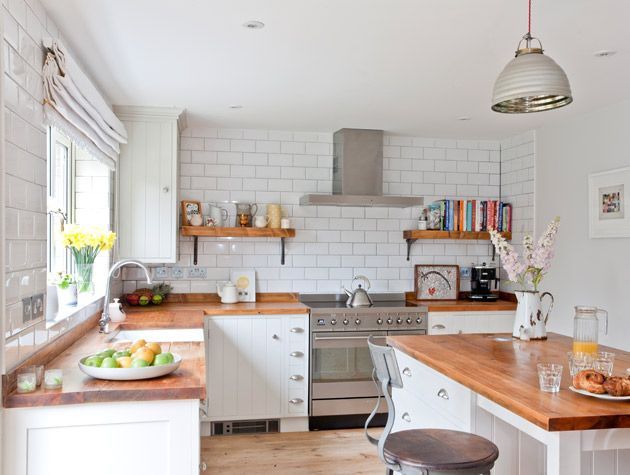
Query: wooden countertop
x=505, y=372
x=170, y=312
x=465, y=305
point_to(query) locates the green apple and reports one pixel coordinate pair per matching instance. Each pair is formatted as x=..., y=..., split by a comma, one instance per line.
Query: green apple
x=157, y=299
x=144, y=300
x=109, y=363
x=139, y=363
x=94, y=360
x=106, y=353
x=163, y=359
x=121, y=353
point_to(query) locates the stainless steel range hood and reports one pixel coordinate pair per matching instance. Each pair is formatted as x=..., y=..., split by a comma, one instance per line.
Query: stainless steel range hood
x=358, y=173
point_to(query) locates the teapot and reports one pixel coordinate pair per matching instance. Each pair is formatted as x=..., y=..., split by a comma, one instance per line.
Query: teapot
x=358, y=297
x=228, y=292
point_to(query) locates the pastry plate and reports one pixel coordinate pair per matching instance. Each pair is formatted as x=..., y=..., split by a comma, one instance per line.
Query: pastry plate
x=608, y=397
x=130, y=374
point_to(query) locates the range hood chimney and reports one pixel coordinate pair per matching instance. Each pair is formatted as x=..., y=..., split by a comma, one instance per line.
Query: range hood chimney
x=358, y=173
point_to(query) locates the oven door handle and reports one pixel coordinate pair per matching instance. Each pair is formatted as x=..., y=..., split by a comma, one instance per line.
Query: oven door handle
x=322, y=338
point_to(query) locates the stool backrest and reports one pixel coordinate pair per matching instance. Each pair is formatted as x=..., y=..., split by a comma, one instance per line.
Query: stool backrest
x=384, y=360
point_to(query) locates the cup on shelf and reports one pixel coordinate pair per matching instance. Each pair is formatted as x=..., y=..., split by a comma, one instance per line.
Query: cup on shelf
x=53, y=378
x=604, y=362
x=260, y=221
x=26, y=381
x=579, y=361
x=549, y=377
x=285, y=223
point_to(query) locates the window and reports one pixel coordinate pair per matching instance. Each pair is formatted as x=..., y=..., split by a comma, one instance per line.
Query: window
x=79, y=191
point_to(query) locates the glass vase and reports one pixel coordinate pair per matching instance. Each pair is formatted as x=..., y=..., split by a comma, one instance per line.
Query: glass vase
x=83, y=276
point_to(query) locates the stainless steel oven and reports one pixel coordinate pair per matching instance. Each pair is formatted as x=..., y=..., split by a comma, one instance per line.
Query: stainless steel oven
x=341, y=368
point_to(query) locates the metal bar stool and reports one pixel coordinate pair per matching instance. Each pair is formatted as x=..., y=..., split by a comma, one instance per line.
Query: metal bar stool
x=423, y=451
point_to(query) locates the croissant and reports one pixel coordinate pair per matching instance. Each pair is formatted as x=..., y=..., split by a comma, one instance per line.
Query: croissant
x=617, y=386
x=590, y=381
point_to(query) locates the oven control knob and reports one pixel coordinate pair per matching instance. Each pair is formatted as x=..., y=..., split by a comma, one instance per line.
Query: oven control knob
x=345, y=321
x=419, y=320
x=399, y=320
x=358, y=321
x=390, y=321
x=409, y=321
x=379, y=321
x=333, y=322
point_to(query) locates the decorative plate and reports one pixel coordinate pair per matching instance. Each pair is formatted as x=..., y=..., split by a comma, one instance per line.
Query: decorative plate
x=436, y=282
x=130, y=374
x=608, y=397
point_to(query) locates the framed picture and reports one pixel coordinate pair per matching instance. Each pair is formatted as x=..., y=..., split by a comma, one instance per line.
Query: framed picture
x=608, y=203
x=245, y=282
x=436, y=282
x=188, y=208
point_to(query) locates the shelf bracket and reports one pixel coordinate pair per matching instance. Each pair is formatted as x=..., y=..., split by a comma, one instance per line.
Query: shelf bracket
x=409, y=243
x=195, y=242
x=282, y=251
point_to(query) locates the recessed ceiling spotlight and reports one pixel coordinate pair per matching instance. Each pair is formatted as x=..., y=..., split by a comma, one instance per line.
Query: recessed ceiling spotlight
x=253, y=25
x=604, y=53
x=464, y=117
x=235, y=106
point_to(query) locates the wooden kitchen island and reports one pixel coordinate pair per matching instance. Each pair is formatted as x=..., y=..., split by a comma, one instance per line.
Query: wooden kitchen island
x=488, y=384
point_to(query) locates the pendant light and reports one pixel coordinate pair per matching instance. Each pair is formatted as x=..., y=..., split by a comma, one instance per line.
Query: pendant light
x=532, y=81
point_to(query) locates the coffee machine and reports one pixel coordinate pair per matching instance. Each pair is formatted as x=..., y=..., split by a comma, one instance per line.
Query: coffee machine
x=481, y=280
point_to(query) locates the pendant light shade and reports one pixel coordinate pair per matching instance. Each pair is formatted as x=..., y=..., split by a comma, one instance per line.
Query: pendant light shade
x=531, y=82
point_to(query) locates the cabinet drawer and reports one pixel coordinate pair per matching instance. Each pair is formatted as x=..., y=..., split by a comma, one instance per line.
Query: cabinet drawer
x=413, y=413
x=448, y=397
x=297, y=401
x=444, y=324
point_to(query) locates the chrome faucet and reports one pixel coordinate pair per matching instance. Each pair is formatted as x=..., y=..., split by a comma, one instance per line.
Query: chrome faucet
x=103, y=323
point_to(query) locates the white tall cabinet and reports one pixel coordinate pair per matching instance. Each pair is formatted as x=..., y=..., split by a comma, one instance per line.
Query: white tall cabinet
x=148, y=183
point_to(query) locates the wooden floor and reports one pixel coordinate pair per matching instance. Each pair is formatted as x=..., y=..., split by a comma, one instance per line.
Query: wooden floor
x=320, y=452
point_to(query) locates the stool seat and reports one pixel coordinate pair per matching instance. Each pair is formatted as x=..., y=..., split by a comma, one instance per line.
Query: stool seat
x=438, y=450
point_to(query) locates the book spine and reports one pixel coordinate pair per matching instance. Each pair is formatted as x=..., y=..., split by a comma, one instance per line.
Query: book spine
x=469, y=216
x=500, y=217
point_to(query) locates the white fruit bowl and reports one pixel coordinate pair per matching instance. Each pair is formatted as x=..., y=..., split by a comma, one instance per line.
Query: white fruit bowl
x=130, y=374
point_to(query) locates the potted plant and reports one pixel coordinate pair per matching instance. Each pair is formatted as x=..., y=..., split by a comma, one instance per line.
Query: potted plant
x=528, y=271
x=66, y=289
x=85, y=243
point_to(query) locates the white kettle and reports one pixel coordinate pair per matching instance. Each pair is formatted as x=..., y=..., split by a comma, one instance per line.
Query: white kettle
x=228, y=292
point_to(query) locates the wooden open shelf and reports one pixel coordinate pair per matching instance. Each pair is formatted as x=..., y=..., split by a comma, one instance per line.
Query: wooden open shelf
x=412, y=235
x=206, y=231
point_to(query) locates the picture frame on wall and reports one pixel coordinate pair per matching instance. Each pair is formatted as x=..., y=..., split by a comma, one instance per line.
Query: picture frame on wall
x=608, y=193
x=436, y=282
x=188, y=208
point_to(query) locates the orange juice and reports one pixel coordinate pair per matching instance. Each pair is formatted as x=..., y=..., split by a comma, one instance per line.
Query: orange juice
x=584, y=346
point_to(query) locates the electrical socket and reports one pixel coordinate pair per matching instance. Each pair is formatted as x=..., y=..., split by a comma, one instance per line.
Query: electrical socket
x=27, y=309
x=160, y=273
x=197, y=273
x=177, y=273
x=37, y=306
x=464, y=272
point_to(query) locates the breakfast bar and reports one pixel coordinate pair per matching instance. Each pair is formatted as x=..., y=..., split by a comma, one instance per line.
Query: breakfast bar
x=488, y=384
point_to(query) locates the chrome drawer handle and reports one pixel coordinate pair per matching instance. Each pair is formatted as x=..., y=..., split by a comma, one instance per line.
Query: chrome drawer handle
x=443, y=394
x=275, y=337
x=296, y=354
x=296, y=377
x=439, y=326
x=406, y=417
x=166, y=189
x=406, y=372
x=296, y=330
x=297, y=400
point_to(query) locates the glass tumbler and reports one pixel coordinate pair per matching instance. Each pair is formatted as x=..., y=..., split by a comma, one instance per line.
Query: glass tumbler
x=549, y=377
x=26, y=382
x=579, y=361
x=604, y=362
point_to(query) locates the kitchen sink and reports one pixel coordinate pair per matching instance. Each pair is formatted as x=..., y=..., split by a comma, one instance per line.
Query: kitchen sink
x=161, y=335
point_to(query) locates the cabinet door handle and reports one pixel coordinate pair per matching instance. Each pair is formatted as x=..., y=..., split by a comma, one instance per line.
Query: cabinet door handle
x=297, y=400
x=443, y=394
x=296, y=354
x=275, y=337
x=460, y=332
x=296, y=377
x=406, y=372
x=296, y=330
x=439, y=326
x=406, y=417
x=166, y=189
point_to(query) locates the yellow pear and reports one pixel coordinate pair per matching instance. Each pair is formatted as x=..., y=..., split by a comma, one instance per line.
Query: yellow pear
x=154, y=347
x=145, y=354
x=137, y=344
x=124, y=361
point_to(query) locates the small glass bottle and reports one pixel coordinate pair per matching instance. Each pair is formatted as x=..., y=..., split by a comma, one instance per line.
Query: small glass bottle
x=586, y=328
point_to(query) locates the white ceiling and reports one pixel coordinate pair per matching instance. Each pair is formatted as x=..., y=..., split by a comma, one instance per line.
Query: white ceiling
x=406, y=66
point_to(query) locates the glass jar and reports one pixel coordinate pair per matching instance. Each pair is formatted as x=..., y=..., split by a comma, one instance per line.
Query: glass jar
x=586, y=328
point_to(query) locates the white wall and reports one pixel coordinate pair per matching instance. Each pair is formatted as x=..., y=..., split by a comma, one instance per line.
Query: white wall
x=332, y=243
x=586, y=271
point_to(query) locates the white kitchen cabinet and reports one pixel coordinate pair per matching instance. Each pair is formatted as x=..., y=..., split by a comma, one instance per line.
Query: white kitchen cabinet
x=148, y=184
x=156, y=437
x=257, y=367
x=448, y=323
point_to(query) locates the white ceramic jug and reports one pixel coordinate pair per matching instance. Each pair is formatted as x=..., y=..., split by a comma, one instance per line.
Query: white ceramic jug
x=116, y=312
x=529, y=322
x=228, y=292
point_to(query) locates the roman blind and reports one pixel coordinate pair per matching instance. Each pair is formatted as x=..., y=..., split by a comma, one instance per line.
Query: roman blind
x=75, y=106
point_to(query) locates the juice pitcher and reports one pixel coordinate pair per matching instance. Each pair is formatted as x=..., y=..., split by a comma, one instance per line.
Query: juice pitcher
x=586, y=328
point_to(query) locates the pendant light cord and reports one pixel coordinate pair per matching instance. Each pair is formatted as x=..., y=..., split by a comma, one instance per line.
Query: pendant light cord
x=529, y=19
